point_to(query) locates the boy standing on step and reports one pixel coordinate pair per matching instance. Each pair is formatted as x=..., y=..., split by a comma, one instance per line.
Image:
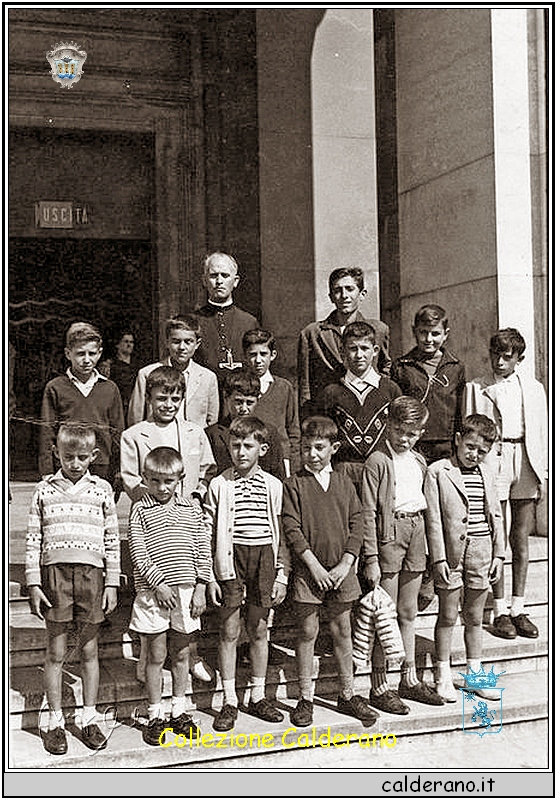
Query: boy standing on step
x=72, y=569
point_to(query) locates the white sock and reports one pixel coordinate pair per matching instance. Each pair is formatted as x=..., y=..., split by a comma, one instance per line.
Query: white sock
x=88, y=715
x=473, y=665
x=257, y=689
x=178, y=706
x=499, y=607
x=154, y=711
x=444, y=670
x=306, y=688
x=517, y=606
x=229, y=689
x=56, y=720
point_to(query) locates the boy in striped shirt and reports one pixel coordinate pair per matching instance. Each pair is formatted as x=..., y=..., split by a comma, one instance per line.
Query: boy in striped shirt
x=242, y=508
x=171, y=553
x=464, y=531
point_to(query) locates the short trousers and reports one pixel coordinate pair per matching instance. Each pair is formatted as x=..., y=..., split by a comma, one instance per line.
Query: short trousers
x=332, y=608
x=75, y=591
x=255, y=576
x=149, y=617
x=473, y=568
x=304, y=589
x=407, y=551
x=516, y=480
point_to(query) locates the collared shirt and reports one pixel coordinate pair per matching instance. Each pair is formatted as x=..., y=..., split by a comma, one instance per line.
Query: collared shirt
x=229, y=302
x=265, y=381
x=87, y=387
x=251, y=521
x=409, y=480
x=69, y=487
x=362, y=385
x=508, y=395
x=323, y=477
x=475, y=492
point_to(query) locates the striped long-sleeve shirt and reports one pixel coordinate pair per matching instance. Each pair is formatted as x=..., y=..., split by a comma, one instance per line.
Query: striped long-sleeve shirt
x=73, y=524
x=169, y=543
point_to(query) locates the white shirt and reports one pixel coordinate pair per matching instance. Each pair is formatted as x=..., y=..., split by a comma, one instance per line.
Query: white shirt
x=66, y=485
x=409, y=480
x=323, y=477
x=229, y=302
x=265, y=381
x=87, y=387
x=508, y=396
x=363, y=385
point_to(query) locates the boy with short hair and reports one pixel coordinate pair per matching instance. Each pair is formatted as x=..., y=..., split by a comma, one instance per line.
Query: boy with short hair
x=72, y=569
x=394, y=550
x=241, y=390
x=171, y=553
x=320, y=360
x=83, y=396
x=222, y=323
x=466, y=541
x=359, y=402
x=323, y=527
x=201, y=399
x=277, y=403
x=164, y=391
x=518, y=405
x=434, y=376
x=242, y=509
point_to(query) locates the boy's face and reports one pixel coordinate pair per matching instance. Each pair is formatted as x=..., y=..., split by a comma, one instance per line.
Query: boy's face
x=181, y=347
x=245, y=453
x=260, y=358
x=220, y=279
x=161, y=485
x=125, y=345
x=165, y=404
x=83, y=358
x=317, y=452
x=241, y=405
x=359, y=354
x=402, y=436
x=503, y=364
x=75, y=458
x=430, y=338
x=346, y=295
x=471, y=449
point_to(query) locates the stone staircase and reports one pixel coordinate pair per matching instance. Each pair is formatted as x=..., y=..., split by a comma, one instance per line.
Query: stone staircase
x=122, y=697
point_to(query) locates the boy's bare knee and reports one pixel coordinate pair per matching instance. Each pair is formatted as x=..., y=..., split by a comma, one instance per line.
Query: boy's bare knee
x=257, y=630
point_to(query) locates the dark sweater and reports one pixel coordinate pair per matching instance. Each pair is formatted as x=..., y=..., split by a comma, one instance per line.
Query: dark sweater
x=279, y=407
x=219, y=437
x=221, y=330
x=102, y=408
x=361, y=427
x=329, y=523
x=441, y=393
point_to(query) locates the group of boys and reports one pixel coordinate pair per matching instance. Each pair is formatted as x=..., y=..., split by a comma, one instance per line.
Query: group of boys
x=384, y=473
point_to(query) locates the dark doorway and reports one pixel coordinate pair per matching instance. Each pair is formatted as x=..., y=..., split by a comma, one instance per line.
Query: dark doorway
x=52, y=283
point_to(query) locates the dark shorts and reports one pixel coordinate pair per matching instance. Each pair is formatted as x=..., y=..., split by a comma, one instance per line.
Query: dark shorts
x=407, y=550
x=329, y=609
x=305, y=590
x=255, y=575
x=75, y=591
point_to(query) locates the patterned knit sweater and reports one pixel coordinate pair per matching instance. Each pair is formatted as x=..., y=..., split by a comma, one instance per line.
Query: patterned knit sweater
x=73, y=527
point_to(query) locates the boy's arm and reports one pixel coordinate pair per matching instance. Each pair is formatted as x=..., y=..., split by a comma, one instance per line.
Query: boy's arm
x=293, y=428
x=384, y=362
x=434, y=518
x=207, y=467
x=292, y=525
x=111, y=542
x=33, y=558
x=213, y=400
x=136, y=407
x=138, y=550
x=130, y=467
x=47, y=432
x=116, y=422
x=370, y=550
x=354, y=542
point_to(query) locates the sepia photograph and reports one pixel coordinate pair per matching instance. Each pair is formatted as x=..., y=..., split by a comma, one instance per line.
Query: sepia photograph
x=278, y=360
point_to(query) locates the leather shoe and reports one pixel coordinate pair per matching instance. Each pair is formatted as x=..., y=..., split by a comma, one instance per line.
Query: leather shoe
x=302, y=715
x=389, y=702
x=55, y=741
x=225, y=719
x=503, y=627
x=421, y=693
x=525, y=627
x=93, y=738
x=265, y=711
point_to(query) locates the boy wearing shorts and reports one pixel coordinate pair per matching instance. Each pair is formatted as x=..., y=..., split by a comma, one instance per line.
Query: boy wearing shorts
x=394, y=551
x=323, y=526
x=242, y=509
x=72, y=569
x=466, y=542
x=171, y=553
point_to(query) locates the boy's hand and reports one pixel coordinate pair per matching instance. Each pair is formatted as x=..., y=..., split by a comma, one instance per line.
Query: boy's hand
x=441, y=572
x=36, y=597
x=165, y=596
x=321, y=576
x=198, y=601
x=372, y=572
x=110, y=599
x=339, y=572
x=495, y=569
x=278, y=594
x=215, y=593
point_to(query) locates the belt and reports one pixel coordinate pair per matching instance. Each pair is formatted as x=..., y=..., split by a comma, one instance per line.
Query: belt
x=407, y=514
x=515, y=441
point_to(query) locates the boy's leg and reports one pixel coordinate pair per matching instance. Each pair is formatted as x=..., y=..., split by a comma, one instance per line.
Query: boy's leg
x=179, y=646
x=380, y=695
x=446, y=620
x=256, y=624
x=523, y=523
x=307, y=623
x=54, y=739
x=341, y=632
x=502, y=623
x=91, y=734
x=472, y=613
x=229, y=631
x=154, y=645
